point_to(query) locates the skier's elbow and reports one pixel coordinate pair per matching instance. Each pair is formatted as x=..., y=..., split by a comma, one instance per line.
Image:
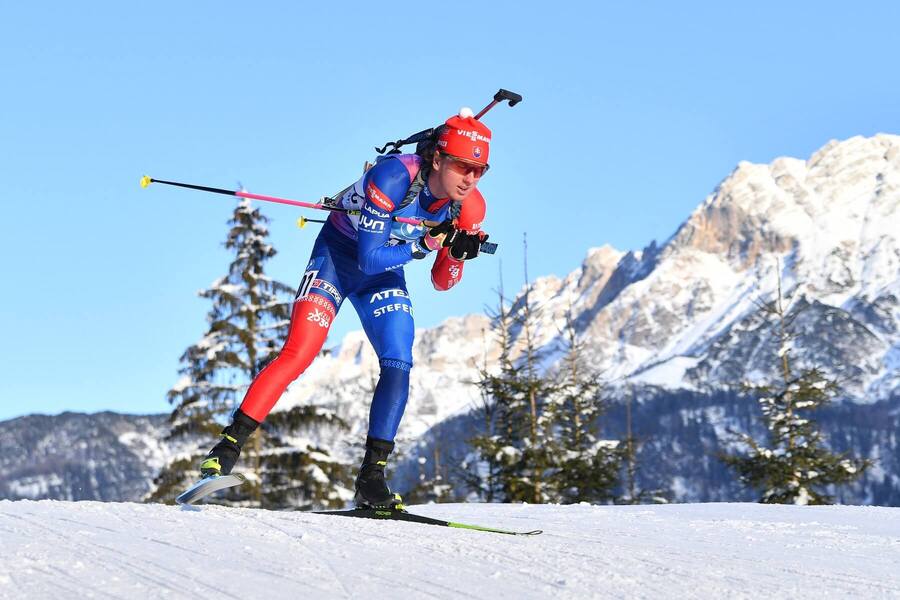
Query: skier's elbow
x=443, y=285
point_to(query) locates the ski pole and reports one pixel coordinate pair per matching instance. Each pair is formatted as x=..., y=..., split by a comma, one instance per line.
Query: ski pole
x=146, y=180
x=302, y=221
x=500, y=96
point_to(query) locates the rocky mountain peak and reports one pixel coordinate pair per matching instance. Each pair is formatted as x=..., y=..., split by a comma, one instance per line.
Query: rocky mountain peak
x=761, y=210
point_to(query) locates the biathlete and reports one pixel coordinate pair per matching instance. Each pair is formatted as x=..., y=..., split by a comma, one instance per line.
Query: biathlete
x=361, y=258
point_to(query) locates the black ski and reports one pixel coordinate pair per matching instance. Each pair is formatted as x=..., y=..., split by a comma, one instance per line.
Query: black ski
x=208, y=485
x=402, y=515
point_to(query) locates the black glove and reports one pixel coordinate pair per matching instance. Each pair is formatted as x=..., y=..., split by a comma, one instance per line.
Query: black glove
x=465, y=246
x=445, y=228
x=440, y=235
x=452, y=235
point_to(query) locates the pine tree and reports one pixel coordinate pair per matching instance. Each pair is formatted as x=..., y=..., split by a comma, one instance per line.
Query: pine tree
x=629, y=448
x=516, y=440
x=247, y=324
x=585, y=468
x=531, y=390
x=297, y=470
x=435, y=488
x=480, y=469
x=631, y=494
x=795, y=464
x=495, y=470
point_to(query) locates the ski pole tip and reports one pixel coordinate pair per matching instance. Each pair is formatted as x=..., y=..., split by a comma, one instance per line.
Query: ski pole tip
x=301, y=222
x=146, y=181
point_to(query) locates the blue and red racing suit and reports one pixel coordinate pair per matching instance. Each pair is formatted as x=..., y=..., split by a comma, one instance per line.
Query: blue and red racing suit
x=361, y=258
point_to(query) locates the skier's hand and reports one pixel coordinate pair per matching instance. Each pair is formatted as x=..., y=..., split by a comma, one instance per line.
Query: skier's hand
x=433, y=239
x=441, y=234
x=465, y=246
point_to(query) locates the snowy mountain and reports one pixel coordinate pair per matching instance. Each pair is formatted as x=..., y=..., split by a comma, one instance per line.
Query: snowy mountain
x=683, y=315
x=88, y=549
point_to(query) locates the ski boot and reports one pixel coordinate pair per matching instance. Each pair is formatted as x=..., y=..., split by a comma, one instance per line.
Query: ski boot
x=371, y=488
x=221, y=459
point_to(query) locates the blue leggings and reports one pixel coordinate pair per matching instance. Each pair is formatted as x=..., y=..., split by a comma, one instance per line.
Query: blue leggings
x=384, y=308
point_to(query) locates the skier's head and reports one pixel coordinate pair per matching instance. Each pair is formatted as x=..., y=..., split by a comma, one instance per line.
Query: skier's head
x=461, y=154
x=465, y=138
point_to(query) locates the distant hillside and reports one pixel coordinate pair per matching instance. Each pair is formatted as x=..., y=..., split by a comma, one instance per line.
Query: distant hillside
x=74, y=456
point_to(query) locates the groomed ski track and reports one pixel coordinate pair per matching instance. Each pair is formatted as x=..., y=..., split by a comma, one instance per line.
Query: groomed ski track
x=51, y=549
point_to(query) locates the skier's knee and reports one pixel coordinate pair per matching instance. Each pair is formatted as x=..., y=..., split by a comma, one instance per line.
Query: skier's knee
x=294, y=360
x=403, y=364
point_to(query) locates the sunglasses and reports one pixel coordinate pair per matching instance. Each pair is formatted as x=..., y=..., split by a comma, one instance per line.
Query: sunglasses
x=464, y=168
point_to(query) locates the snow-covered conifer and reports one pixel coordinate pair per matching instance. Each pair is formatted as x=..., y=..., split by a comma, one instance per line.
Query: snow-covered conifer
x=584, y=468
x=794, y=465
x=247, y=324
x=493, y=471
x=516, y=444
x=433, y=485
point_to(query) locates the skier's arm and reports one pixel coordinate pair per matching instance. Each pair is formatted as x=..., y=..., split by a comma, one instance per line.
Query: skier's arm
x=385, y=188
x=446, y=270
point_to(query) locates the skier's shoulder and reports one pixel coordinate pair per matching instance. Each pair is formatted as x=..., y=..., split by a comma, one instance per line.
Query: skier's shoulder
x=472, y=211
x=399, y=166
x=387, y=182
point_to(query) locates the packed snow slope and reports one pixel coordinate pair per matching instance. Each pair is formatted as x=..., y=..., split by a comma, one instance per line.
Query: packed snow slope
x=53, y=549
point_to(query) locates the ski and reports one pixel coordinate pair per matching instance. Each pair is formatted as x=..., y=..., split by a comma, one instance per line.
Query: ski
x=208, y=485
x=402, y=515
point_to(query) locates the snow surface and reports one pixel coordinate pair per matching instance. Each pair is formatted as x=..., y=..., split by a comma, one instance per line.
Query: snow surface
x=52, y=549
x=668, y=374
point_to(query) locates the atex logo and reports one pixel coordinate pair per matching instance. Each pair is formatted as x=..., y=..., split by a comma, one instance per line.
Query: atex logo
x=370, y=224
x=387, y=294
x=473, y=135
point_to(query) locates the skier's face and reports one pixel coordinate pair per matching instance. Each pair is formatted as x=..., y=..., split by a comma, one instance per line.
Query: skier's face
x=455, y=177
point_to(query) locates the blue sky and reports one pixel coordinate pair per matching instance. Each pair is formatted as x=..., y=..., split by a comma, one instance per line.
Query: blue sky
x=632, y=114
